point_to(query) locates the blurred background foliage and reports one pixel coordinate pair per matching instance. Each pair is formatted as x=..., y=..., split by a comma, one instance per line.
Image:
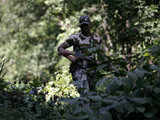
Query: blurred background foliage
x=33, y=76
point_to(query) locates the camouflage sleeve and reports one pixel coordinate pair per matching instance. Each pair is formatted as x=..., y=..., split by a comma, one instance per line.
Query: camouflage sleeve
x=68, y=43
x=70, y=40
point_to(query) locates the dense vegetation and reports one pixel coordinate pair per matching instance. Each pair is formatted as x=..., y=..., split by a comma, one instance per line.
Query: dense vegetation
x=35, y=82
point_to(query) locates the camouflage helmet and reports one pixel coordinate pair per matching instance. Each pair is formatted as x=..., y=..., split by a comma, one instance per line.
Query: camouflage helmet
x=84, y=20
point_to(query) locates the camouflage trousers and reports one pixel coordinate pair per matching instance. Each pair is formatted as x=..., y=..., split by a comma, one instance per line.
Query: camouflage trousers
x=81, y=78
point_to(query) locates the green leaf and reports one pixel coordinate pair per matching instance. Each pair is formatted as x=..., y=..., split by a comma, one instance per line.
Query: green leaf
x=129, y=107
x=156, y=90
x=105, y=115
x=139, y=100
x=108, y=101
x=132, y=76
x=149, y=115
x=140, y=72
x=80, y=117
x=96, y=98
x=141, y=109
x=146, y=54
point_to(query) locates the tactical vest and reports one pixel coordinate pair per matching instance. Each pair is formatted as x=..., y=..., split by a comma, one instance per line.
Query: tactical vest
x=85, y=46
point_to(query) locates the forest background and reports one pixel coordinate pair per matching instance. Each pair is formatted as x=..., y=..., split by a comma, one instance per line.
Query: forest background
x=35, y=82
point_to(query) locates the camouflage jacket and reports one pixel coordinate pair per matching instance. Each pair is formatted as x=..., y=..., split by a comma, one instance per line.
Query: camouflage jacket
x=87, y=47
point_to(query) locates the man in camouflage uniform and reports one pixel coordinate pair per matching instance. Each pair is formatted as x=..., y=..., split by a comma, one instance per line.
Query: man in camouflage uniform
x=85, y=54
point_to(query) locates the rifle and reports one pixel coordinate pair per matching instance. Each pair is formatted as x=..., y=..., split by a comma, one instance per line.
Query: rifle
x=83, y=57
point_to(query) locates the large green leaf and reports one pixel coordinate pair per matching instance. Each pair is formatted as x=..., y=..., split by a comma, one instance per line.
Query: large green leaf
x=139, y=100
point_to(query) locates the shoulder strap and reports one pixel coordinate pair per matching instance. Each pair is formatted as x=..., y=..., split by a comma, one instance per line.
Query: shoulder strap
x=93, y=42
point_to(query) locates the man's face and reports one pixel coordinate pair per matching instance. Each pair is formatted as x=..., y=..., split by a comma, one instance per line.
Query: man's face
x=85, y=27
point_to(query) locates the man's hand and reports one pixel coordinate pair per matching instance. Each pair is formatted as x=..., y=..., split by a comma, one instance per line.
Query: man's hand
x=68, y=54
x=72, y=58
x=65, y=52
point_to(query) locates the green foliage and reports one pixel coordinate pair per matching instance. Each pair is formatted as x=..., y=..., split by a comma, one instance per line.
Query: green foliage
x=36, y=85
